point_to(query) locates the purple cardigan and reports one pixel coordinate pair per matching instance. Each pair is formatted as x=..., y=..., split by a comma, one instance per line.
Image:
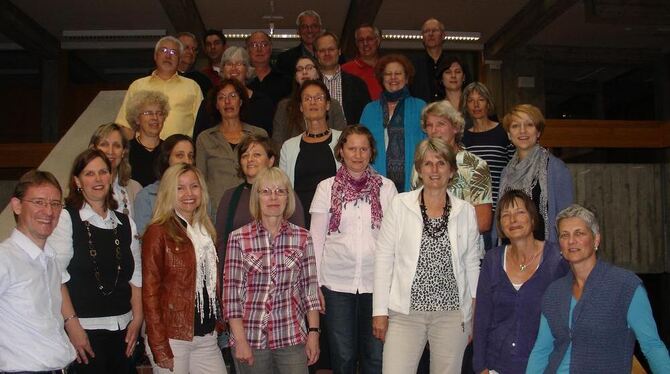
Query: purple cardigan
x=507, y=320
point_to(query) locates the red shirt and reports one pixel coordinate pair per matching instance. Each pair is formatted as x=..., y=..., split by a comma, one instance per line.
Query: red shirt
x=366, y=72
x=212, y=74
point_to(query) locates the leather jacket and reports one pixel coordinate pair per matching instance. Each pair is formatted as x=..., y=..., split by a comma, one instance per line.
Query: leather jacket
x=168, y=289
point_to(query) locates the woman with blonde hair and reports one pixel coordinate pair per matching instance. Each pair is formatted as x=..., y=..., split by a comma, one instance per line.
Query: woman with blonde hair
x=180, y=277
x=272, y=261
x=109, y=139
x=146, y=112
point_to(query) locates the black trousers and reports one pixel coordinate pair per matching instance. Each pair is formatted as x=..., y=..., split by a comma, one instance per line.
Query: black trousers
x=110, y=354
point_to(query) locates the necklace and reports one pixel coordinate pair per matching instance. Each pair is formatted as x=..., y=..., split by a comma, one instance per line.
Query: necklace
x=310, y=135
x=124, y=200
x=94, y=254
x=522, y=267
x=150, y=149
x=435, y=231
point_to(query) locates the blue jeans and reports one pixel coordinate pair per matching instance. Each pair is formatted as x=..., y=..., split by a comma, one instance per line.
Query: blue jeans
x=349, y=321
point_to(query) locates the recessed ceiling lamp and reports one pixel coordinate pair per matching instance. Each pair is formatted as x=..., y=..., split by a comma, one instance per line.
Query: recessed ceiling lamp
x=453, y=36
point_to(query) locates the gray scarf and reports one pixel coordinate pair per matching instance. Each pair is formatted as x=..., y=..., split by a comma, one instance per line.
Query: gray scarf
x=525, y=174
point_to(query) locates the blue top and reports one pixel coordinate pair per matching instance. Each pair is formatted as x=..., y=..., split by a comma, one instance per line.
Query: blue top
x=372, y=119
x=144, y=206
x=639, y=318
x=506, y=320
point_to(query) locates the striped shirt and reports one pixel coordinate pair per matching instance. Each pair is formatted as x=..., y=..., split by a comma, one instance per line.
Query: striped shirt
x=270, y=283
x=494, y=147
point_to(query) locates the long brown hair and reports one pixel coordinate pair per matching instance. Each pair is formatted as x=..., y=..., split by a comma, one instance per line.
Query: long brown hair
x=75, y=198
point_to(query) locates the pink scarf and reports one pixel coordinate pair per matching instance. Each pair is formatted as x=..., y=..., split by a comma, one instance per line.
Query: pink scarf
x=347, y=189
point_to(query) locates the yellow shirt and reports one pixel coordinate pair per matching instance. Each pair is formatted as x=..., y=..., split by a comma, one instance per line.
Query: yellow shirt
x=184, y=96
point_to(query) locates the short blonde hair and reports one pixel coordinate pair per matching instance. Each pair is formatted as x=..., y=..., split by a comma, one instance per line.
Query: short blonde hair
x=533, y=112
x=166, y=201
x=276, y=176
x=141, y=99
x=444, y=109
x=438, y=146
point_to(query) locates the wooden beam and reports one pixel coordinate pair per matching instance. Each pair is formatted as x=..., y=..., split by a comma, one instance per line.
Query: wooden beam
x=524, y=25
x=606, y=134
x=24, y=155
x=643, y=13
x=184, y=16
x=23, y=30
x=598, y=55
x=360, y=12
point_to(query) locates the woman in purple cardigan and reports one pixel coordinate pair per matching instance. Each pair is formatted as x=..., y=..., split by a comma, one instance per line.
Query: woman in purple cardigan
x=511, y=283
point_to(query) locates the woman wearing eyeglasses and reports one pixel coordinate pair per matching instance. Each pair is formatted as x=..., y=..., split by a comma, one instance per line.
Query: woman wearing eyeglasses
x=270, y=285
x=146, y=113
x=216, y=148
x=98, y=253
x=395, y=120
x=289, y=121
x=308, y=158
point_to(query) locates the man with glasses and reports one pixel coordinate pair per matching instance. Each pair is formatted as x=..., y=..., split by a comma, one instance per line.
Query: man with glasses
x=215, y=45
x=348, y=89
x=368, y=38
x=32, y=335
x=426, y=83
x=184, y=94
x=268, y=80
x=187, y=62
x=309, y=28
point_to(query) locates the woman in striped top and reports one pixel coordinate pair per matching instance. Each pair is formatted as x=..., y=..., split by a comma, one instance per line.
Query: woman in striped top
x=486, y=138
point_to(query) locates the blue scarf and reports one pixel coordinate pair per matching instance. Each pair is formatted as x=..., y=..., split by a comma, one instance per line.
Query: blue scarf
x=395, y=127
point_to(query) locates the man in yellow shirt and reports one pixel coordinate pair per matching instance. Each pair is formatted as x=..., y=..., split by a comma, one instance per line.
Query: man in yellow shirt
x=183, y=93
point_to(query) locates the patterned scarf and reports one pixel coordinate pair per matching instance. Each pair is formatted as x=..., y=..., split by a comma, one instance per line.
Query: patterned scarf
x=395, y=128
x=525, y=174
x=346, y=189
x=206, y=269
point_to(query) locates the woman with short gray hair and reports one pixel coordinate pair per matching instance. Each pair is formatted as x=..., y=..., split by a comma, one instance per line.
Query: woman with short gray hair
x=146, y=112
x=592, y=316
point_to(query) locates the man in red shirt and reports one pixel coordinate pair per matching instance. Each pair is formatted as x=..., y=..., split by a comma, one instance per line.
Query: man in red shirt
x=368, y=38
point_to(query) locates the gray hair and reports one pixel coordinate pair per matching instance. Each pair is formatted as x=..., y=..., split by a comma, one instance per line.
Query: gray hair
x=169, y=38
x=142, y=98
x=189, y=34
x=481, y=89
x=234, y=54
x=375, y=29
x=578, y=211
x=443, y=108
x=248, y=38
x=310, y=13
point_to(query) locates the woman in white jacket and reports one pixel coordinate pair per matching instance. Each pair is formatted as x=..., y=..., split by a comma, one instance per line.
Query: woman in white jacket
x=426, y=269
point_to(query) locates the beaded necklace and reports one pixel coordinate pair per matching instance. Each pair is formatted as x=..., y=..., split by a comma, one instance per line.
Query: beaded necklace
x=94, y=254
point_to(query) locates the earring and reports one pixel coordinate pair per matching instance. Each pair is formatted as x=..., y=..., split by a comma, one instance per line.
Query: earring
x=78, y=189
x=595, y=247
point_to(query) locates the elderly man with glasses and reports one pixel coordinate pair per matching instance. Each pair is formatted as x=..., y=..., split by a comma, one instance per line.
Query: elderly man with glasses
x=309, y=28
x=426, y=83
x=268, y=80
x=183, y=93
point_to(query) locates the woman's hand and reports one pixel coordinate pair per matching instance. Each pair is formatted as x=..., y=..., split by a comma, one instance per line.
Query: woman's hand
x=322, y=300
x=168, y=363
x=379, y=326
x=79, y=340
x=243, y=352
x=132, y=332
x=312, y=347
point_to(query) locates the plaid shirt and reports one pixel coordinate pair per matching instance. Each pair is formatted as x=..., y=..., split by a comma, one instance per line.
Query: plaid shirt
x=270, y=284
x=334, y=85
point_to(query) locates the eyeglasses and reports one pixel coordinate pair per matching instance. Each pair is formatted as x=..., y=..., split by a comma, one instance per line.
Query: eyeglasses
x=230, y=64
x=258, y=45
x=231, y=96
x=314, y=26
x=366, y=40
x=168, y=51
x=267, y=192
x=327, y=50
x=307, y=68
x=149, y=113
x=42, y=203
x=314, y=99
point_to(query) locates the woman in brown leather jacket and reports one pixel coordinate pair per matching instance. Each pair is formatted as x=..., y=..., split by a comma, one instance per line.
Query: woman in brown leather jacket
x=180, y=277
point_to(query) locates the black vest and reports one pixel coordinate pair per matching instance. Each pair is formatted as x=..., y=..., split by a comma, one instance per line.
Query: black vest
x=87, y=299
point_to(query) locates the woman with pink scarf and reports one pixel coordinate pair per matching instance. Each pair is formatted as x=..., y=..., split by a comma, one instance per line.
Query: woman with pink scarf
x=346, y=214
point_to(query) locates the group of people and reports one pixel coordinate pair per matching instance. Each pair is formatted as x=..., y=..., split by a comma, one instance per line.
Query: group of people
x=415, y=218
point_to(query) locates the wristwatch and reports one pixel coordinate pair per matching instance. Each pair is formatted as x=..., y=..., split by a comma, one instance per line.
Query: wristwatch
x=314, y=329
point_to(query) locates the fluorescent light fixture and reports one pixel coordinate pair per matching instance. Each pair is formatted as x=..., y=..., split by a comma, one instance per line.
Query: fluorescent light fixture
x=453, y=36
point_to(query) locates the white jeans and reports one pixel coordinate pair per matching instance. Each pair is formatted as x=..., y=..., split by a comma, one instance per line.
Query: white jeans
x=407, y=335
x=199, y=356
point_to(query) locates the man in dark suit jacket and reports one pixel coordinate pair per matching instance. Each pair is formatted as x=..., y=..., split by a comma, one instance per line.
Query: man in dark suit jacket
x=309, y=28
x=346, y=88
